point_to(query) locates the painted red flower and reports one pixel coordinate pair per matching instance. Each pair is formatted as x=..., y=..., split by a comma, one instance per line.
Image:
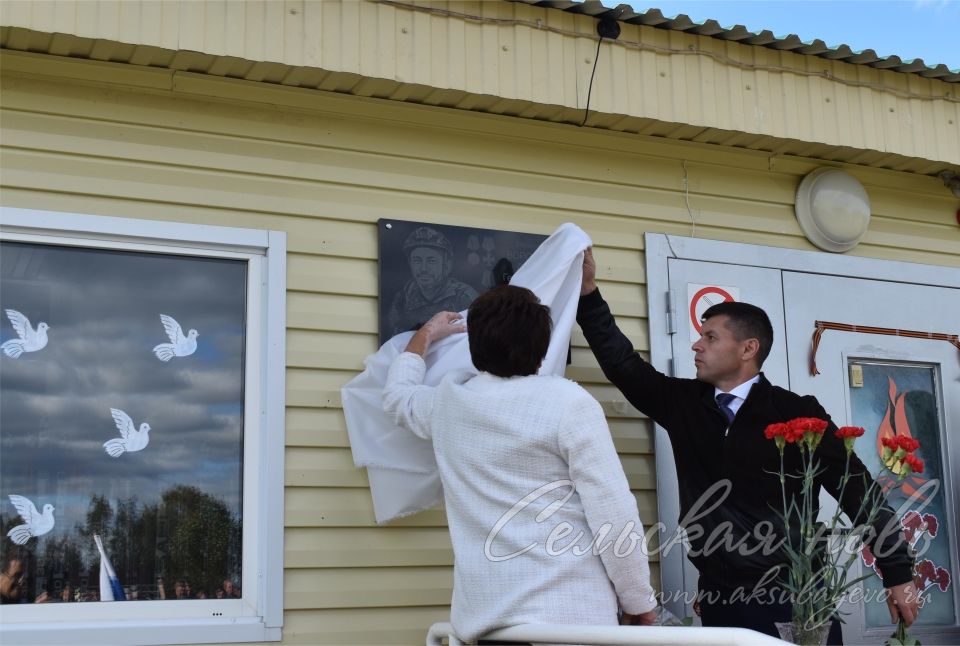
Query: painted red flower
x=914, y=525
x=926, y=568
x=870, y=560
x=927, y=573
x=943, y=579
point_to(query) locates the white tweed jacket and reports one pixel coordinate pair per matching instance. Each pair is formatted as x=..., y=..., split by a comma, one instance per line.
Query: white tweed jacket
x=543, y=523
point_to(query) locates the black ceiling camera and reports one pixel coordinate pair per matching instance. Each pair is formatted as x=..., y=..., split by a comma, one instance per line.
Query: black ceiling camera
x=608, y=28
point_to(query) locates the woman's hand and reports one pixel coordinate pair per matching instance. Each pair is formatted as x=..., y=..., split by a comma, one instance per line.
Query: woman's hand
x=443, y=324
x=642, y=619
x=440, y=326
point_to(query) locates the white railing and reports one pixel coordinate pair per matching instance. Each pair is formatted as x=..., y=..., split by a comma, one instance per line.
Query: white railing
x=612, y=635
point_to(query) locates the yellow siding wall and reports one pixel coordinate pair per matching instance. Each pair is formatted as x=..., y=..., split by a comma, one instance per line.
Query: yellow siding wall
x=506, y=50
x=324, y=168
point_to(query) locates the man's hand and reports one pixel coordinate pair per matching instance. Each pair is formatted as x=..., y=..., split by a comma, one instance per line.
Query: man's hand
x=643, y=619
x=440, y=326
x=903, y=601
x=589, y=281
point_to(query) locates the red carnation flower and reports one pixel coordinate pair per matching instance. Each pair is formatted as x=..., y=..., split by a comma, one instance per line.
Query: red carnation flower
x=776, y=430
x=915, y=463
x=849, y=431
x=793, y=434
x=808, y=425
x=908, y=444
x=809, y=430
x=890, y=443
x=849, y=434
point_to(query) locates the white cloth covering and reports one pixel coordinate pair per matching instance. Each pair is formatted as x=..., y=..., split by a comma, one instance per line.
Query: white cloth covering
x=533, y=486
x=401, y=467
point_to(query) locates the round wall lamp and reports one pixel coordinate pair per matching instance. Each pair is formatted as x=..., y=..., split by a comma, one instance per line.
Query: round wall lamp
x=833, y=209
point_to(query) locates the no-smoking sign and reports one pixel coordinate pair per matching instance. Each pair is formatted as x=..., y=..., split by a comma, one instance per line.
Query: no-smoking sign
x=701, y=297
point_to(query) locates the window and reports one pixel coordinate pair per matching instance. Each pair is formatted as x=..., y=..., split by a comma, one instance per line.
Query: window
x=904, y=399
x=141, y=430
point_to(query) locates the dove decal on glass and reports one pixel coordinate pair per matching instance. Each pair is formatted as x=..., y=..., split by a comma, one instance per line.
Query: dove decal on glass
x=35, y=523
x=179, y=346
x=130, y=439
x=30, y=340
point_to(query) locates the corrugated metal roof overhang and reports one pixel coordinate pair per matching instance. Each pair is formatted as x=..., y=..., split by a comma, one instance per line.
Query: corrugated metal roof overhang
x=20, y=39
x=739, y=33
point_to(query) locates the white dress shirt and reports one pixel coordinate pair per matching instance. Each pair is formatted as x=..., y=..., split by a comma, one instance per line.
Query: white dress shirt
x=740, y=392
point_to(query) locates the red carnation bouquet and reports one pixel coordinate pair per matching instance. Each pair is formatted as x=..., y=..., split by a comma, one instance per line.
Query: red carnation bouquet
x=817, y=577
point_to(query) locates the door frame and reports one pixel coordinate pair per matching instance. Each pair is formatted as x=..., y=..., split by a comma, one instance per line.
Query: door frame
x=665, y=317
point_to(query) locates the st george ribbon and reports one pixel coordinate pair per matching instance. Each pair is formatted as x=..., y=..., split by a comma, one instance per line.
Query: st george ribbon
x=400, y=466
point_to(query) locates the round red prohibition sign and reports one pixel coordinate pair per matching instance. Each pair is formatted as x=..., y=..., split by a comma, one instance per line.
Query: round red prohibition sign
x=725, y=297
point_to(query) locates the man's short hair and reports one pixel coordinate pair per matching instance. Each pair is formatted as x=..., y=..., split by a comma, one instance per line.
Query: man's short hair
x=509, y=331
x=746, y=321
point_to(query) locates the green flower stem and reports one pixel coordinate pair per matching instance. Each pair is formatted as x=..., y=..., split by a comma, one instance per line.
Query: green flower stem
x=783, y=493
x=816, y=594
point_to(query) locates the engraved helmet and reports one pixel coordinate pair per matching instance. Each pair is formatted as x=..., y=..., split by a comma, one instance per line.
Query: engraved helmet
x=427, y=237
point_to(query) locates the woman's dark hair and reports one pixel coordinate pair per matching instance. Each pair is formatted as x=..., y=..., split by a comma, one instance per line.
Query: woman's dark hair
x=509, y=331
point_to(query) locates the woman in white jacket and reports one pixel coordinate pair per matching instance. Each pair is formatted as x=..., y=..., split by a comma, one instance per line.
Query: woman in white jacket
x=543, y=523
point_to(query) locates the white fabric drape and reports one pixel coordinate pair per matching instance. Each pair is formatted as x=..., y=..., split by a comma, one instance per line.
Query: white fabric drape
x=400, y=466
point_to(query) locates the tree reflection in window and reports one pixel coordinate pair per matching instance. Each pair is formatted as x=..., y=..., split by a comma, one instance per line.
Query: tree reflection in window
x=170, y=514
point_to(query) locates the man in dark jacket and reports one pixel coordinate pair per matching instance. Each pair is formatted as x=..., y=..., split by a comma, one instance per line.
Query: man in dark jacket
x=726, y=467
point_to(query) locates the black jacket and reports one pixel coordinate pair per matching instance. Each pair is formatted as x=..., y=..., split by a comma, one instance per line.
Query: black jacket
x=705, y=456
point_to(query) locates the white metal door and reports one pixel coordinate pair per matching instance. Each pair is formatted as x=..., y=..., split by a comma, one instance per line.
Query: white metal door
x=890, y=383
x=797, y=288
x=694, y=286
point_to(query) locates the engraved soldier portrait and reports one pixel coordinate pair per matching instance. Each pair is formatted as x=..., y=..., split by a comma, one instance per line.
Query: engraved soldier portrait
x=432, y=287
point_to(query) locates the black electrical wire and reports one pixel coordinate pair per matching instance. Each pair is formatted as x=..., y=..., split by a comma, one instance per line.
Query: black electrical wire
x=590, y=87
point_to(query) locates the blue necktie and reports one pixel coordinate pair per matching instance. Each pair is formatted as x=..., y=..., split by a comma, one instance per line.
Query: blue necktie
x=724, y=400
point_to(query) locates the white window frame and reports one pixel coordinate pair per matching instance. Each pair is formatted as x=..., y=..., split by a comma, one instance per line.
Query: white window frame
x=258, y=616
